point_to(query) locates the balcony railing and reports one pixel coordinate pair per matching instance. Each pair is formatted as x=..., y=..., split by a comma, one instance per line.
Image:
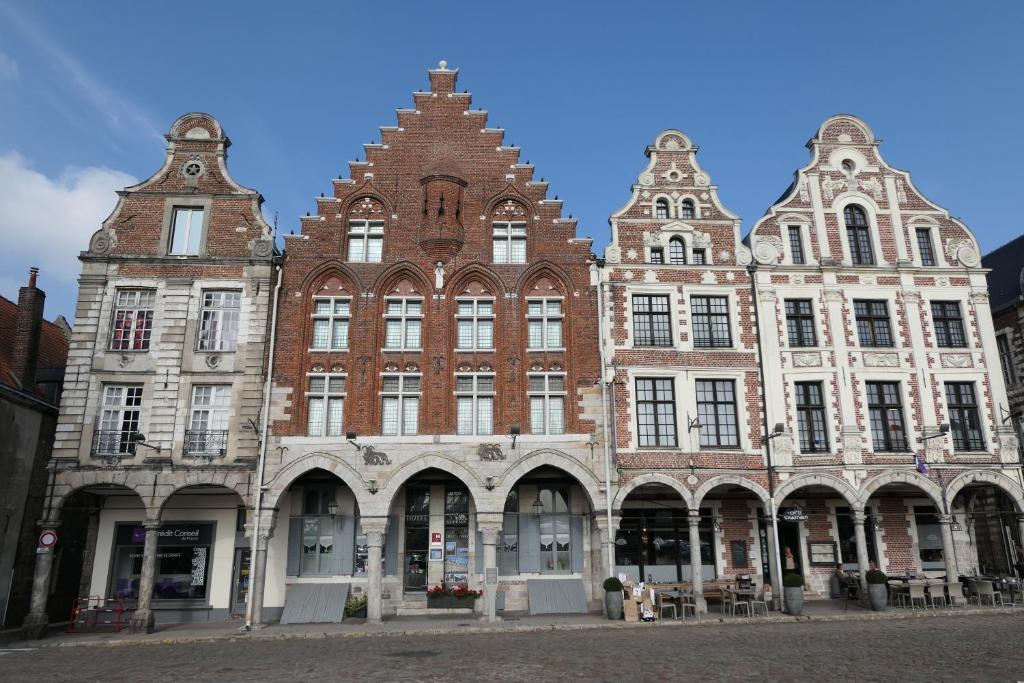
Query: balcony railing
x=207, y=443
x=113, y=442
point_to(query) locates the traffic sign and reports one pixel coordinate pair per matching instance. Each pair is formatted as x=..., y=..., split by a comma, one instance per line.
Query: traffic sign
x=48, y=539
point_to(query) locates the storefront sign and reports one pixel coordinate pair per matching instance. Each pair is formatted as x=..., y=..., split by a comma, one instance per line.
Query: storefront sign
x=435, y=538
x=793, y=515
x=168, y=534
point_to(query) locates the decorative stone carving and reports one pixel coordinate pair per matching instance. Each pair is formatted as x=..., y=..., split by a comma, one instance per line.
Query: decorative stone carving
x=768, y=249
x=124, y=360
x=807, y=359
x=490, y=452
x=647, y=179
x=833, y=295
x=979, y=298
x=881, y=360
x=743, y=256
x=901, y=192
x=262, y=248
x=853, y=444
x=628, y=275
x=957, y=360
x=802, y=189
x=412, y=367
x=213, y=360
x=631, y=254
x=831, y=187
x=701, y=180
x=371, y=456
x=797, y=279
x=673, y=174
x=613, y=254
x=870, y=280
x=872, y=186
x=317, y=367
x=102, y=242
x=963, y=251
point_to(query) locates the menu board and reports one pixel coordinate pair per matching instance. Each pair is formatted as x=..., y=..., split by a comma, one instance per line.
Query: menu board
x=822, y=553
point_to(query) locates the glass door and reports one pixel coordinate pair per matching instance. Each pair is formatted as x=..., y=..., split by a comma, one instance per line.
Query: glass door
x=241, y=582
x=456, y=537
x=417, y=537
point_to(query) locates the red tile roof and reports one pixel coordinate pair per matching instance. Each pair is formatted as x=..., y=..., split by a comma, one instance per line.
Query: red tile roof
x=53, y=345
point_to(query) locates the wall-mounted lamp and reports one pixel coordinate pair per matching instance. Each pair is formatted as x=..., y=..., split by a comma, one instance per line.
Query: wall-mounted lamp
x=332, y=508
x=777, y=430
x=943, y=430
x=490, y=484
x=351, y=438
x=693, y=423
x=371, y=485
x=955, y=525
x=538, y=506
x=716, y=525
x=139, y=439
x=513, y=431
x=875, y=523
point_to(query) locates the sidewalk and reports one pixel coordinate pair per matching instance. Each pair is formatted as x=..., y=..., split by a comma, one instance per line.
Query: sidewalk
x=819, y=610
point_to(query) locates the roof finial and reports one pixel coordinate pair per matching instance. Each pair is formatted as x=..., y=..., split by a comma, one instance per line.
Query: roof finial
x=443, y=65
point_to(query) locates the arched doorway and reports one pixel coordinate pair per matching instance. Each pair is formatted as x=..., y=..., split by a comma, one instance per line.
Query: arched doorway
x=733, y=519
x=652, y=543
x=907, y=516
x=986, y=524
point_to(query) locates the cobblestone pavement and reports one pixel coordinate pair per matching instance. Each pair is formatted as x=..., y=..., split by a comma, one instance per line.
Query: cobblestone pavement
x=979, y=648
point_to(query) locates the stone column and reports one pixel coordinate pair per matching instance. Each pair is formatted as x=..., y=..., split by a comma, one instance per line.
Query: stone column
x=607, y=545
x=37, y=620
x=948, y=548
x=859, y=518
x=490, y=534
x=774, y=565
x=258, y=578
x=696, y=569
x=374, y=528
x=142, y=619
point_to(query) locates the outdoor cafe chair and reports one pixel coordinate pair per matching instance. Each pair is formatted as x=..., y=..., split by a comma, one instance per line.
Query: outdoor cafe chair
x=757, y=601
x=898, y=593
x=687, y=602
x=664, y=604
x=916, y=593
x=936, y=594
x=728, y=599
x=956, y=594
x=983, y=591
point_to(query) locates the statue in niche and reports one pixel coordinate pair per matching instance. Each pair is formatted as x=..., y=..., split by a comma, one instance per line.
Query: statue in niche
x=439, y=276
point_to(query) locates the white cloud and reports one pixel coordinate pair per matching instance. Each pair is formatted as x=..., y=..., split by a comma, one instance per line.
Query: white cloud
x=46, y=222
x=8, y=68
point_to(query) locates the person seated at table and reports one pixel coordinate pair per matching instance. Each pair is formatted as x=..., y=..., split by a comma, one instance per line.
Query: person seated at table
x=837, y=583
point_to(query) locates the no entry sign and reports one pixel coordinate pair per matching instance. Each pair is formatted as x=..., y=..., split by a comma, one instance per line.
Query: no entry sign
x=48, y=539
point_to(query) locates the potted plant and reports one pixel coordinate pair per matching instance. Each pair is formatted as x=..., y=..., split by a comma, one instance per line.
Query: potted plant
x=793, y=593
x=355, y=606
x=877, y=590
x=456, y=597
x=613, y=598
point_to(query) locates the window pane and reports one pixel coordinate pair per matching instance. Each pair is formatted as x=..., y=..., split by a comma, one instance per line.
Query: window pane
x=374, y=249
x=556, y=415
x=536, y=335
x=337, y=385
x=356, y=248
x=485, y=410
x=334, y=406
x=411, y=409
x=464, y=415
x=393, y=334
x=554, y=334
x=389, y=416
x=320, y=329
x=412, y=334
x=316, y=416
x=321, y=306
x=485, y=334
x=340, y=340
x=537, y=424
x=464, y=335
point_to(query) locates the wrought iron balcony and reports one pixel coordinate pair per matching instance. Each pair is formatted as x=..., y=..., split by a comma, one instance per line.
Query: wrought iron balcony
x=206, y=443
x=113, y=442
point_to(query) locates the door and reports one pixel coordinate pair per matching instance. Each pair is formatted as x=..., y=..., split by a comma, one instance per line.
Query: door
x=240, y=582
x=789, y=546
x=417, y=538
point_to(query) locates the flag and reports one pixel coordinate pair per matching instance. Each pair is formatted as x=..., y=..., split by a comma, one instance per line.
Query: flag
x=921, y=467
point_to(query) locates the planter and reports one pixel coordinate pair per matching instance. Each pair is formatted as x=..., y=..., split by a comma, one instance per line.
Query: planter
x=449, y=602
x=794, y=600
x=613, y=604
x=835, y=588
x=877, y=596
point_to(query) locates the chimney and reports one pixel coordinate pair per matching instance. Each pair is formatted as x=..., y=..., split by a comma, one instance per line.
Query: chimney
x=27, y=329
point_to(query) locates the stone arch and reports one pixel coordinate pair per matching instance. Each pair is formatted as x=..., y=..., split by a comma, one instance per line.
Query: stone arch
x=466, y=274
x=399, y=271
x=317, y=277
x=544, y=269
x=997, y=479
x=736, y=480
x=840, y=486
x=653, y=478
x=492, y=208
x=328, y=462
x=367, y=191
x=237, y=482
x=427, y=461
x=66, y=483
x=552, y=458
x=930, y=488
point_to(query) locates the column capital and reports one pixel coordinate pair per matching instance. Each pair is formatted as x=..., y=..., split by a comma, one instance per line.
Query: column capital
x=693, y=517
x=152, y=525
x=859, y=517
x=49, y=524
x=373, y=525
x=490, y=534
x=945, y=519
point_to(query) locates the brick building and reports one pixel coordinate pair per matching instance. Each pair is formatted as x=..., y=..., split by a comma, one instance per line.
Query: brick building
x=435, y=395
x=33, y=352
x=1006, y=297
x=158, y=433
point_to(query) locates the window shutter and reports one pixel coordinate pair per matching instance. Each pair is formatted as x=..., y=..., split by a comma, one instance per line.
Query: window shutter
x=391, y=548
x=479, y=552
x=294, y=545
x=576, y=543
x=344, y=542
x=529, y=543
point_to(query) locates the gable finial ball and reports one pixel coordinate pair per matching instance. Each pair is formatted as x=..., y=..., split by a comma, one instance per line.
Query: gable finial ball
x=443, y=65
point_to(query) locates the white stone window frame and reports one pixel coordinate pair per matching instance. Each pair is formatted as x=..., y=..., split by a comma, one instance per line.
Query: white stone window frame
x=814, y=294
x=805, y=224
x=136, y=309
x=475, y=394
x=546, y=318
x=864, y=293
x=674, y=305
x=332, y=318
x=505, y=232
x=122, y=407
x=475, y=319
x=326, y=395
x=833, y=427
x=209, y=286
x=225, y=410
x=403, y=319
x=972, y=343
x=926, y=222
x=363, y=230
x=976, y=378
x=872, y=211
x=670, y=205
x=167, y=228
x=547, y=394
x=734, y=324
x=902, y=378
x=660, y=238
x=402, y=394
x=109, y=305
x=678, y=207
x=676, y=377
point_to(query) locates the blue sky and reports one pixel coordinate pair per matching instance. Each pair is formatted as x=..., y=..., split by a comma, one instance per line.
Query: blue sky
x=88, y=89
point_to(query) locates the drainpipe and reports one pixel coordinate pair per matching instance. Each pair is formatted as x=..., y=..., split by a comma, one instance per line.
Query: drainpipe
x=260, y=466
x=610, y=541
x=776, y=590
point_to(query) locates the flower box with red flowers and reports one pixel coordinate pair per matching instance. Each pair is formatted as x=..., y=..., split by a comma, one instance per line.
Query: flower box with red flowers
x=452, y=597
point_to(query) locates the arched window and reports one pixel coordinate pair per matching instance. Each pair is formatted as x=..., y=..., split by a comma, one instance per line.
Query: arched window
x=677, y=251
x=686, y=210
x=365, y=231
x=661, y=208
x=509, y=238
x=858, y=234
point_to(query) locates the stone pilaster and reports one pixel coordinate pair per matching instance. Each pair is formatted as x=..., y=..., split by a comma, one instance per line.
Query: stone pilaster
x=37, y=620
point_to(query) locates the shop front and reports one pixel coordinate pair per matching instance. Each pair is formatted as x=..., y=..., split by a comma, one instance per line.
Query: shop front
x=182, y=562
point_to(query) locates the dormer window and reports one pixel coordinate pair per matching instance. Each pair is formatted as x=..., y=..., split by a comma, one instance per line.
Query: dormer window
x=186, y=231
x=677, y=251
x=661, y=208
x=686, y=210
x=365, y=241
x=858, y=234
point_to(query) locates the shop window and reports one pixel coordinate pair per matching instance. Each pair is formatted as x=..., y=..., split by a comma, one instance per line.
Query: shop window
x=508, y=543
x=716, y=411
x=182, y=562
x=318, y=526
x=555, y=554
x=848, y=538
x=133, y=320
x=330, y=323
x=218, y=330
x=929, y=537
x=653, y=544
x=652, y=321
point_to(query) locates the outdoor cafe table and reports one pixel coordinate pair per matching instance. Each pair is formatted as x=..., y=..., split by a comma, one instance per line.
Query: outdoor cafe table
x=744, y=594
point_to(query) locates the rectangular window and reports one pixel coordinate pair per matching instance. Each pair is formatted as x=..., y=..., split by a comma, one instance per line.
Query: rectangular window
x=474, y=404
x=325, y=405
x=544, y=321
x=208, y=425
x=885, y=409
x=330, y=324
x=949, y=324
x=403, y=323
x=133, y=319
x=365, y=241
x=400, y=405
x=873, y=327
x=474, y=322
x=509, y=242
x=860, y=246
x=652, y=324
x=1006, y=359
x=547, y=404
x=810, y=415
x=656, y=412
x=796, y=245
x=800, y=323
x=964, y=419
x=716, y=411
x=657, y=255
x=119, y=420
x=218, y=329
x=710, y=321
x=924, y=245
x=700, y=257
x=186, y=231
